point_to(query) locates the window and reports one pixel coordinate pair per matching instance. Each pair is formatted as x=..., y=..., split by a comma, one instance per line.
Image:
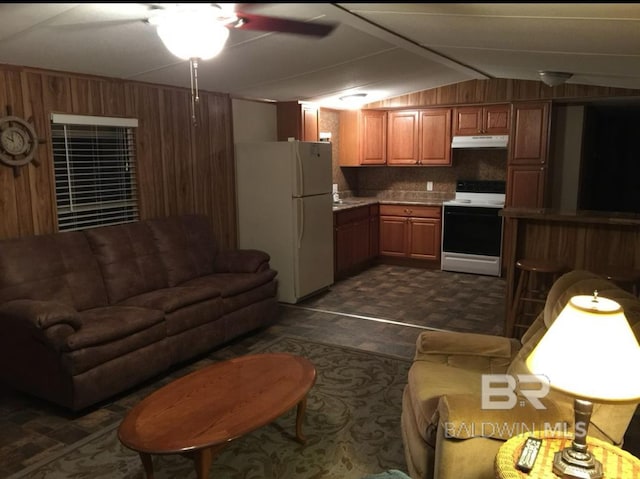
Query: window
x=95, y=170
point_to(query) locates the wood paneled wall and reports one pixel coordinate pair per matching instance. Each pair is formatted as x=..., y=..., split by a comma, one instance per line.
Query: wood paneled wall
x=181, y=168
x=500, y=91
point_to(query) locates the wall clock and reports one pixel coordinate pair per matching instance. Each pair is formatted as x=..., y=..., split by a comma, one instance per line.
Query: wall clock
x=18, y=142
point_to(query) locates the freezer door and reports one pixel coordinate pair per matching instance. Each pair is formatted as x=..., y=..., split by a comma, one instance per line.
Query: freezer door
x=311, y=164
x=313, y=263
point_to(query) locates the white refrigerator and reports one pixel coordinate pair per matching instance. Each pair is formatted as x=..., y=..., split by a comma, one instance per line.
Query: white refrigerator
x=284, y=204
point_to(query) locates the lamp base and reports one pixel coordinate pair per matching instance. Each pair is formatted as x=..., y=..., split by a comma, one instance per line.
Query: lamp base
x=572, y=464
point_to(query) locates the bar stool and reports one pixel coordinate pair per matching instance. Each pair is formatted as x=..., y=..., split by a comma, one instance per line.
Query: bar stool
x=625, y=277
x=536, y=277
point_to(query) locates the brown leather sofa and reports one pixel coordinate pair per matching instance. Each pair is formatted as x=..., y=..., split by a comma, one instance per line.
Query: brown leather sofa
x=446, y=432
x=87, y=314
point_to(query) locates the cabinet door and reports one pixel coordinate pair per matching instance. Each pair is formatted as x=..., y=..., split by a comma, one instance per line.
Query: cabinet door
x=374, y=231
x=310, y=128
x=467, y=121
x=402, y=144
x=343, y=249
x=393, y=236
x=424, y=238
x=361, y=242
x=529, y=138
x=497, y=119
x=526, y=186
x=435, y=137
x=373, y=137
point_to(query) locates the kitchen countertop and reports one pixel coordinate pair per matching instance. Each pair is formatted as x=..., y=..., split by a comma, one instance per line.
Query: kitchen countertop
x=573, y=216
x=356, y=201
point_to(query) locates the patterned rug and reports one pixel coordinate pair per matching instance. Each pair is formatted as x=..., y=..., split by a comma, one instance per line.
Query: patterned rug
x=352, y=424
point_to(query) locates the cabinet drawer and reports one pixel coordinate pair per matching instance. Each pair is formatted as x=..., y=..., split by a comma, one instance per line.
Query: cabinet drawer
x=410, y=210
x=351, y=215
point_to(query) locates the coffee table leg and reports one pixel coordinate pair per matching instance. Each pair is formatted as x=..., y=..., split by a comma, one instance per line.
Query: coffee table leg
x=147, y=464
x=204, y=458
x=302, y=407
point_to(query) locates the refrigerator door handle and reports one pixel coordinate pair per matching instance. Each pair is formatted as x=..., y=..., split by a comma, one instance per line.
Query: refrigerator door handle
x=300, y=173
x=300, y=219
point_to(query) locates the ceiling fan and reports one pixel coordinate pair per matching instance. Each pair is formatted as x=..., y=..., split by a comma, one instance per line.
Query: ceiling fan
x=199, y=31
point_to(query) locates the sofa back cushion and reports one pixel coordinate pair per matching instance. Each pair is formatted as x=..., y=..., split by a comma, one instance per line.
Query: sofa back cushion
x=128, y=258
x=56, y=267
x=187, y=246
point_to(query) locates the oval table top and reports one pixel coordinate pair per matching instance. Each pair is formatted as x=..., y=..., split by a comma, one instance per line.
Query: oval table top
x=217, y=404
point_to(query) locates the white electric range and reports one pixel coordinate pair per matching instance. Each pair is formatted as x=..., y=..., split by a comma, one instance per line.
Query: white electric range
x=472, y=228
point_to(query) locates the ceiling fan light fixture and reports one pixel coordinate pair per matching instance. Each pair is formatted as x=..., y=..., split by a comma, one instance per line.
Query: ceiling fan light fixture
x=554, y=78
x=192, y=31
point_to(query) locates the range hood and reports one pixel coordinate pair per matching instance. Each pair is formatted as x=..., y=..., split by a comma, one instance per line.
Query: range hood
x=480, y=141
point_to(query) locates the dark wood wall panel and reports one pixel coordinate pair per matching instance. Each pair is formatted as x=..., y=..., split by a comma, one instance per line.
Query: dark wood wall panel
x=499, y=90
x=181, y=168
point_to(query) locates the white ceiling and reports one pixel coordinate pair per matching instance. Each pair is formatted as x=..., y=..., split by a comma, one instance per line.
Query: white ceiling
x=386, y=49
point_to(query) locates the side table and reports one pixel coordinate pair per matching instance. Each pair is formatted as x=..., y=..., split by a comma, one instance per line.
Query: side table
x=616, y=463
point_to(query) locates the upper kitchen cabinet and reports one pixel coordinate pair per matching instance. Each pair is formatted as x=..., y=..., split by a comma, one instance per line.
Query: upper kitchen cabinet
x=297, y=120
x=419, y=137
x=363, y=137
x=527, y=164
x=482, y=120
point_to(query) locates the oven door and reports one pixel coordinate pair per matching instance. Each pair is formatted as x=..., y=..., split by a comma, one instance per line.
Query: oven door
x=471, y=230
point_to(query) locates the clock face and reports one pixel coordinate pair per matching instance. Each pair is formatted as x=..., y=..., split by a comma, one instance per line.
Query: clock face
x=18, y=141
x=14, y=141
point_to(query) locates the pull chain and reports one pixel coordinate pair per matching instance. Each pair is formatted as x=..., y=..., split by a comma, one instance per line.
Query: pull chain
x=195, y=98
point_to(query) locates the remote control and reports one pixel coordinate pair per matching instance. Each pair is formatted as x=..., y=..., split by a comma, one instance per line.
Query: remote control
x=529, y=453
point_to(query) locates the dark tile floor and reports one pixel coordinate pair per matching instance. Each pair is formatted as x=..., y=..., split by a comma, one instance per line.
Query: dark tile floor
x=382, y=309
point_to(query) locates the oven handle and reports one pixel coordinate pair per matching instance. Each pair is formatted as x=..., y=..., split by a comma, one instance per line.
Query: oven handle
x=457, y=213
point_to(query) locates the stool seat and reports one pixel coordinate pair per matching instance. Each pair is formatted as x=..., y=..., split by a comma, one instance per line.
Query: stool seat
x=536, y=277
x=540, y=265
x=625, y=277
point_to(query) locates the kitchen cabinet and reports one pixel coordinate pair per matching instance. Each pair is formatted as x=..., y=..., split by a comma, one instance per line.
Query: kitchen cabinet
x=482, y=120
x=409, y=231
x=297, y=120
x=419, y=137
x=363, y=138
x=527, y=163
x=354, y=247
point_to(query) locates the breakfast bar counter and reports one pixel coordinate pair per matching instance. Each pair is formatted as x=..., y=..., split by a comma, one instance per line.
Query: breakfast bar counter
x=589, y=240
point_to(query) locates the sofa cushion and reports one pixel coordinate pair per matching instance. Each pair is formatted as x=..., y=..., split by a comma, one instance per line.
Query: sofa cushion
x=186, y=245
x=231, y=284
x=58, y=267
x=128, y=258
x=110, y=323
x=172, y=299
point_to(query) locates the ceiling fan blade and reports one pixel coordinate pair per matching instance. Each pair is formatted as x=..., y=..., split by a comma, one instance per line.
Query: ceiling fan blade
x=70, y=27
x=263, y=23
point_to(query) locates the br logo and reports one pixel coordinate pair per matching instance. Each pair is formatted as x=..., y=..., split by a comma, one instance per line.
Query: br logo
x=499, y=390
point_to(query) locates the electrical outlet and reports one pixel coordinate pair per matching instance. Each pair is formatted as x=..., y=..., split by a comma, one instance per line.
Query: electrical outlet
x=429, y=185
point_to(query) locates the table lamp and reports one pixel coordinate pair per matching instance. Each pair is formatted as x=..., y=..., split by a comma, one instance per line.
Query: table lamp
x=584, y=354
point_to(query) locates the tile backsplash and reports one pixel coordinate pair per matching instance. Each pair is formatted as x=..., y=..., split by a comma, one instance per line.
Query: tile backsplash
x=412, y=180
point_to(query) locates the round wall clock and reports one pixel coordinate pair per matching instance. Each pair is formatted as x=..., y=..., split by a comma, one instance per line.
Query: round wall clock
x=18, y=142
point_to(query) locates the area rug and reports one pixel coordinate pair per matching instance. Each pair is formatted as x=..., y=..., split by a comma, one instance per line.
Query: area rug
x=352, y=424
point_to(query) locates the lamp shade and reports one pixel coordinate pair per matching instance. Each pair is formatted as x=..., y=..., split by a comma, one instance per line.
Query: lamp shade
x=192, y=31
x=590, y=352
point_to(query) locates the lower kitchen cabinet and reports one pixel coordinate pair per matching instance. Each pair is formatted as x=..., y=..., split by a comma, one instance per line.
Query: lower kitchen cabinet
x=408, y=231
x=354, y=243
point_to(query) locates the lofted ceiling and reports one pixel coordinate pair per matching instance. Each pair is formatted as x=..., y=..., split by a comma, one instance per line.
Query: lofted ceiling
x=384, y=49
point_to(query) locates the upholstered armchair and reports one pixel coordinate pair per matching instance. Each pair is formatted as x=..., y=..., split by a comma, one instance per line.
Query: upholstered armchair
x=447, y=433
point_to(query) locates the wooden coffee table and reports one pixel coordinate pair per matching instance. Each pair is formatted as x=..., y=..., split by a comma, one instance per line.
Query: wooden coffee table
x=198, y=414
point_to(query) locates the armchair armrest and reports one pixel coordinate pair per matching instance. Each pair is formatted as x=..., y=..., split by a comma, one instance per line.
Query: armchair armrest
x=461, y=416
x=480, y=352
x=241, y=261
x=40, y=314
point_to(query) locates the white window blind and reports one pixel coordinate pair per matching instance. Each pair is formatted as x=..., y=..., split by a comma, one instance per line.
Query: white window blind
x=95, y=171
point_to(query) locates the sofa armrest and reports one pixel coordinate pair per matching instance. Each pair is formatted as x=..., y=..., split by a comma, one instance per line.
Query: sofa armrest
x=40, y=314
x=462, y=417
x=241, y=261
x=479, y=352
